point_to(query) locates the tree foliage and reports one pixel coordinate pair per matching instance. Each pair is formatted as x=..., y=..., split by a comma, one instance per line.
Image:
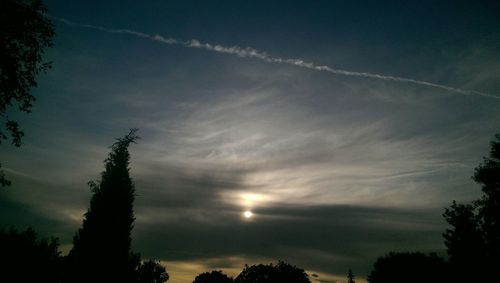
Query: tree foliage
x=464, y=240
x=487, y=175
x=272, y=273
x=151, y=271
x=215, y=276
x=25, y=32
x=26, y=258
x=473, y=240
x=409, y=268
x=102, y=247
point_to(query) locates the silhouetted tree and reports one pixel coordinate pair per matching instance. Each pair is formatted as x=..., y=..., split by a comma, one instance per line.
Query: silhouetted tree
x=25, y=258
x=409, y=268
x=487, y=175
x=473, y=241
x=279, y=273
x=215, y=276
x=25, y=32
x=102, y=247
x=464, y=241
x=350, y=277
x=151, y=272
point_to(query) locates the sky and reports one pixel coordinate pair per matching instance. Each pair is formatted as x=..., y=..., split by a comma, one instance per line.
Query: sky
x=345, y=127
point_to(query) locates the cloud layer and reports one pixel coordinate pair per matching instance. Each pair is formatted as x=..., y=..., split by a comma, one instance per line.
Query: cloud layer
x=337, y=170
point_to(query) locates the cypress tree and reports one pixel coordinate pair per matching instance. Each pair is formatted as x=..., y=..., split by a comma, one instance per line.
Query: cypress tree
x=102, y=246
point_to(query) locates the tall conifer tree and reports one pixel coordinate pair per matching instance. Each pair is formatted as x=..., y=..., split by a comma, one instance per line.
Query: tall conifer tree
x=102, y=246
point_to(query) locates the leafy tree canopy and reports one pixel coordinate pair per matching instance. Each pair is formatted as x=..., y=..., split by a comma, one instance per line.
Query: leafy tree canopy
x=25, y=32
x=215, y=276
x=272, y=273
x=152, y=272
x=473, y=240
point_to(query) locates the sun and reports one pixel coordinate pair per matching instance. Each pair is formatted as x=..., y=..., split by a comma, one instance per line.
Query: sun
x=247, y=214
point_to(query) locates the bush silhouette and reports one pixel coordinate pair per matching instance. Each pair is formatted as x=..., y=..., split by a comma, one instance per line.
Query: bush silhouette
x=279, y=273
x=409, y=268
x=151, y=272
x=215, y=276
x=26, y=258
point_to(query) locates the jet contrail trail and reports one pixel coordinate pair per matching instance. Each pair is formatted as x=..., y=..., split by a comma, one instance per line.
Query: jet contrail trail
x=249, y=52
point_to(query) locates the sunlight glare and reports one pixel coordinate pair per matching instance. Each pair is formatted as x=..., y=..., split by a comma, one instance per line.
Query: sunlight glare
x=247, y=214
x=250, y=199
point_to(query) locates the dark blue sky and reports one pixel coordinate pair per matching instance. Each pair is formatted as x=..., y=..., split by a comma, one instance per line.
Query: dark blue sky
x=337, y=170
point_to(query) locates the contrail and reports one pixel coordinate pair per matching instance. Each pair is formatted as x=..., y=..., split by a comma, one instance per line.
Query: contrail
x=249, y=52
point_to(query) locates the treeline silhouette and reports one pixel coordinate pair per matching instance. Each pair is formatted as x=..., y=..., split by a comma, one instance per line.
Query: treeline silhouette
x=472, y=240
x=101, y=249
x=261, y=273
x=102, y=246
x=102, y=252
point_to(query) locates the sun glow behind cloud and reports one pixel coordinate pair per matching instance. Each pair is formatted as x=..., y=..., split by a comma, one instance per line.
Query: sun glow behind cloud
x=289, y=157
x=250, y=199
x=248, y=214
x=222, y=135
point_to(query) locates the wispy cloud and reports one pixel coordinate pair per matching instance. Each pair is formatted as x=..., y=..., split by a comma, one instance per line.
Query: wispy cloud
x=249, y=52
